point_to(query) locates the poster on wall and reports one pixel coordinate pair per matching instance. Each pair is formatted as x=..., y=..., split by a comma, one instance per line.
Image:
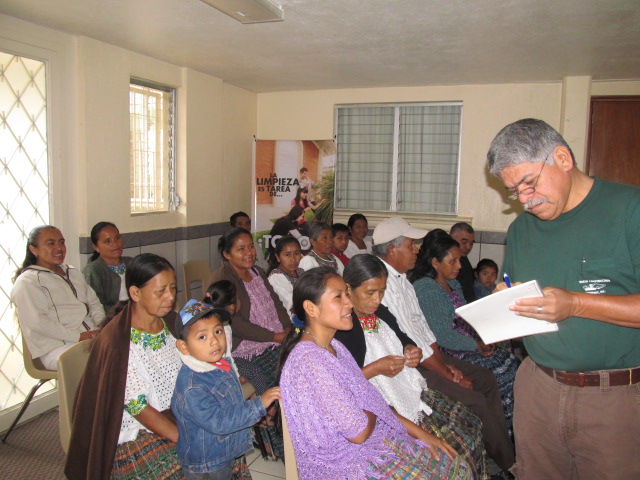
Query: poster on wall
x=294, y=186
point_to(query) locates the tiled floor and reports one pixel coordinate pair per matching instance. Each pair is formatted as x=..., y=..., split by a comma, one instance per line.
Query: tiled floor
x=264, y=469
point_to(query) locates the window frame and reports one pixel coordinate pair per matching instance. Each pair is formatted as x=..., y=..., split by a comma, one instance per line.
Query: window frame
x=393, y=201
x=170, y=199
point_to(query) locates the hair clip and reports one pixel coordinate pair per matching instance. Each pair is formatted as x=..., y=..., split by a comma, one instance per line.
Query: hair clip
x=296, y=321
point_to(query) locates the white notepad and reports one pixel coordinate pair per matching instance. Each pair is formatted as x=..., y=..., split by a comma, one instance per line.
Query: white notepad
x=493, y=320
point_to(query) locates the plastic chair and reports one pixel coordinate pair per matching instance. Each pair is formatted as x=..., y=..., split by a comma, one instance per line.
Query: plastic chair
x=71, y=365
x=195, y=271
x=290, y=465
x=36, y=370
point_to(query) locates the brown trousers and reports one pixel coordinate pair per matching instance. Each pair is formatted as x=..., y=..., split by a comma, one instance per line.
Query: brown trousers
x=568, y=433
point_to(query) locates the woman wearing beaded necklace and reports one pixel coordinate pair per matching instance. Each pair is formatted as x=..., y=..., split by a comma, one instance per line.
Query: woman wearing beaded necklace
x=388, y=359
x=321, y=238
x=106, y=268
x=340, y=425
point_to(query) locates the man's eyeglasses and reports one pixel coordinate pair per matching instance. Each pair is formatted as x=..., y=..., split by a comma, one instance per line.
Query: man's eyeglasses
x=529, y=186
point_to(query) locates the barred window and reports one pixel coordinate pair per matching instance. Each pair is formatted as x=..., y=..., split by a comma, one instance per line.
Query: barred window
x=152, y=147
x=398, y=158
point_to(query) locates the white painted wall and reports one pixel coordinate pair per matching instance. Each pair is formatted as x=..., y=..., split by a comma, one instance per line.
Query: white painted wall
x=487, y=108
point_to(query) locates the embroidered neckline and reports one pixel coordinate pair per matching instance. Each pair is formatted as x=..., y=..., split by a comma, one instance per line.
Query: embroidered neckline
x=370, y=323
x=324, y=262
x=118, y=269
x=153, y=341
x=292, y=280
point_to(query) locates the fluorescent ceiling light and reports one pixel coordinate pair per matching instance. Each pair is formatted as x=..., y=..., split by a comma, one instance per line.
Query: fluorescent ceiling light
x=249, y=11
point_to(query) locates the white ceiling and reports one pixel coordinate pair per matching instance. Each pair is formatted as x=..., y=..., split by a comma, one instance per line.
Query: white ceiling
x=326, y=44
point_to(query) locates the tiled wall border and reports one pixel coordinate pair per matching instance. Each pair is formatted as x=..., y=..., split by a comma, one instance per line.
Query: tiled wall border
x=200, y=242
x=178, y=245
x=152, y=237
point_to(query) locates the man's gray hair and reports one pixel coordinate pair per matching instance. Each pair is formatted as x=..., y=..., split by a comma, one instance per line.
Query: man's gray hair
x=382, y=250
x=527, y=140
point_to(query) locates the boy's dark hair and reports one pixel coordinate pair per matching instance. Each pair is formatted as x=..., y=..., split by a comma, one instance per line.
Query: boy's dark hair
x=183, y=333
x=339, y=227
x=484, y=263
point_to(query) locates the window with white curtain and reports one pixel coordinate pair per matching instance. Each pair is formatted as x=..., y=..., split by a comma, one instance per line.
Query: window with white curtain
x=152, y=147
x=398, y=158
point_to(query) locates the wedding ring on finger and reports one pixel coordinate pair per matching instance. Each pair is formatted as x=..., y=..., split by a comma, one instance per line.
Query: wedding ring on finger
x=539, y=310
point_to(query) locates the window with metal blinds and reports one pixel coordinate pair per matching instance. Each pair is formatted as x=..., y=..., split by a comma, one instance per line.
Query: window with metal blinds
x=401, y=158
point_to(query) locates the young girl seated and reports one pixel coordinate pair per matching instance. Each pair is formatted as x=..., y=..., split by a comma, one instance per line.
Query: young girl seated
x=340, y=425
x=213, y=418
x=283, y=269
x=486, y=273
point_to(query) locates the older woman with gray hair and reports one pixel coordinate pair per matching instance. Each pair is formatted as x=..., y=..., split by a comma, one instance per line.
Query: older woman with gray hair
x=321, y=238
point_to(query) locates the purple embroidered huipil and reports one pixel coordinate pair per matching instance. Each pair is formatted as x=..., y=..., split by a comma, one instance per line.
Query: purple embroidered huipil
x=263, y=313
x=323, y=398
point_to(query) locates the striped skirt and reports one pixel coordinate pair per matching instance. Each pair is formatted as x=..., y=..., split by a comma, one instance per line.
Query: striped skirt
x=504, y=365
x=459, y=427
x=148, y=456
x=417, y=463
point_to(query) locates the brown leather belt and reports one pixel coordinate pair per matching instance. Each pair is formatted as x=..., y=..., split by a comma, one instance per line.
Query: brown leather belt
x=627, y=376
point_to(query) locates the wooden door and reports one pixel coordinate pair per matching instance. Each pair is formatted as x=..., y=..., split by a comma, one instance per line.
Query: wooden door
x=613, y=151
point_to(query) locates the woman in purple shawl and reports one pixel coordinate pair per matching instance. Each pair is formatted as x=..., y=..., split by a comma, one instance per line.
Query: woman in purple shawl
x=341, y=427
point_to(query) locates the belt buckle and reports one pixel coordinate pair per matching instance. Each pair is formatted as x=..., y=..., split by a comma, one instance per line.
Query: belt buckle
x=581, y=379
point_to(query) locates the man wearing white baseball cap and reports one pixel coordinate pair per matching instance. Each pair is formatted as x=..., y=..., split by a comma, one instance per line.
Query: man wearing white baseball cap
x=474, y=386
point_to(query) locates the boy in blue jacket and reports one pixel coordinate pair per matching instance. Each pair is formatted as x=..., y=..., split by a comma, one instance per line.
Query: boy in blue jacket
x=213, y=418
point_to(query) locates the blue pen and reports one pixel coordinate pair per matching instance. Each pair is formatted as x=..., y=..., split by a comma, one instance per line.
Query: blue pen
x=506, y=279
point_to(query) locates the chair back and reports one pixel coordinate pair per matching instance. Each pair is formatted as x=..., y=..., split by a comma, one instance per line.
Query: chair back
x=34, y=366
x=36, y=370
x=290, y=465
x=71, y=365
x=195, y=271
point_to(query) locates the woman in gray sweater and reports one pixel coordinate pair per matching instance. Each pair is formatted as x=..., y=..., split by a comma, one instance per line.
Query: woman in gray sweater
x=106, y=268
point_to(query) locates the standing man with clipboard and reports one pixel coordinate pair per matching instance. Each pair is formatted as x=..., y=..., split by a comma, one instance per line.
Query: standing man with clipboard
x=576, y=398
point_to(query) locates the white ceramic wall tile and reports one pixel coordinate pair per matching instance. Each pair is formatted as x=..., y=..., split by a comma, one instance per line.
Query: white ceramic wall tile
x=474, y=255
x=214, y=256
x=84, y=259
x=193, y=249
x=166, y=250
x=131, y=252
x=186, y=250
x=492, y=251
